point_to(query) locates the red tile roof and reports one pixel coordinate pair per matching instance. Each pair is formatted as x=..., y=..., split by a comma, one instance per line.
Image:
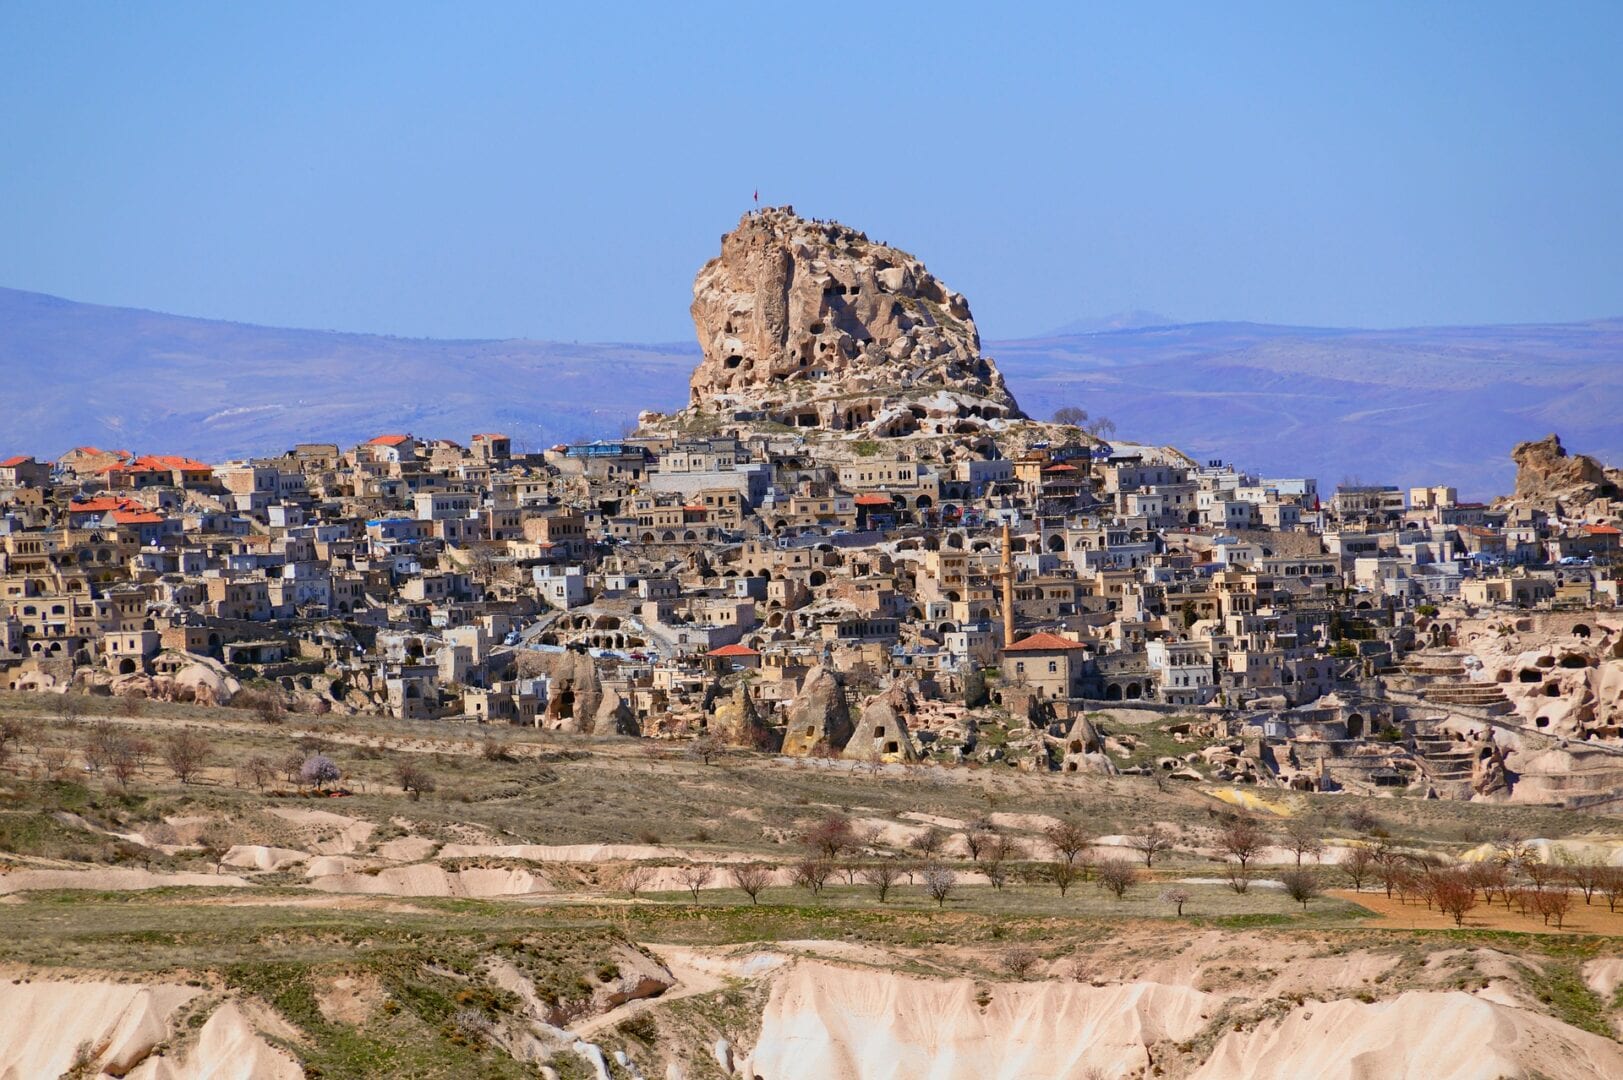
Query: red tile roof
x=103, y=504
x=1592, y=530
x=872, y=500
x=13, y=462
x=388, y=440
x=733, y=650
x=136, y=517
x=1043, y=642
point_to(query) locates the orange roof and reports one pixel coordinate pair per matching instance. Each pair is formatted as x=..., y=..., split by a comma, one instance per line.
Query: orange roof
x=1043, y=642
x=388, y=440
x=148, y=463
x=490, y=435
x=136, y=517
x=1592, y=530
x=733, y=650
x=11, y=462
x=872, y=500
x=103, y=504
x=1060, y=468
x=695, y=508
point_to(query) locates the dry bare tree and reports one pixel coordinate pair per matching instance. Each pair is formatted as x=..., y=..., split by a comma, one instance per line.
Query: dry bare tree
x=1455, y=895
x=694, y=877
x=883, y=876
x=929, y=842
x=1358, y=866
x=1177, y=895
x=1151, y=842
x=751, y=878
x=635, y=878
x=1242, y=841
x=1301, y=886
x=186, y=752
x=1303, y=839
x=813, y=874
x=1068, y=839
x=1116, y=876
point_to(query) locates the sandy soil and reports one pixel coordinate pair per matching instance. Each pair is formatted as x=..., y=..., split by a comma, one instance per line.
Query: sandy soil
x=1394, y=914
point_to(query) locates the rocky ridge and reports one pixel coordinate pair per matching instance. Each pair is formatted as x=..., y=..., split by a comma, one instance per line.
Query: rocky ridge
x=809, y=324
x=1549, y=477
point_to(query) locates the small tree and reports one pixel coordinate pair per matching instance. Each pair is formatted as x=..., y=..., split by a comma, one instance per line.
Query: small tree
x=939, y=882
x=883, y=876
x=1068, y=839
x=1611, y=886
x=1302, y=839
x=1301, y=886
x=1063, y=874
x=1177, y=895
x=977, y=839
x=929, y=842
x=98, y=746
x=751, y=878
x=1358, y=866
x=1455, y=895
x=216, y=845
x=259, y=770
x=1242, y=841
x=1586, y=874
x=1151, y=842
x=996, y=857
x=1552, y=904
x=635, y=878
x=694, y=877
x=1116, y=876
x=829, y=837
x=813, y=874
x=1020, y=960
x=1390, y=869
x=413, y=780
x=320, y=770
x=705, y=747
x=186, y=752
x=124, y=760
x=1238, y=879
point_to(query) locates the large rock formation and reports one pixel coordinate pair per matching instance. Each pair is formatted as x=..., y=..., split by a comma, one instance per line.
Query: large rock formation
x=818, y=719
x=812, y=324
x=1547, y=474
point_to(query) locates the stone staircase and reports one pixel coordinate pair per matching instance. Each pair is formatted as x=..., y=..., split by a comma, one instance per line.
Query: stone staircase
x=1440, y=679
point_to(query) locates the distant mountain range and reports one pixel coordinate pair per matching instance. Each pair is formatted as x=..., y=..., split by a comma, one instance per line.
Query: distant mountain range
x=1427, y=405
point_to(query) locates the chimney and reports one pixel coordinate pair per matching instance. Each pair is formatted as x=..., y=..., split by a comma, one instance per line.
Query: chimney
x=1007, y=573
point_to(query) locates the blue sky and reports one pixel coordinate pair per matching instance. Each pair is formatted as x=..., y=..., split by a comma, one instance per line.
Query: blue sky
x=561, y=171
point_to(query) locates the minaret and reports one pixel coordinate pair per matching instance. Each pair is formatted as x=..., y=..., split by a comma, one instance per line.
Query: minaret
x=1006, y=572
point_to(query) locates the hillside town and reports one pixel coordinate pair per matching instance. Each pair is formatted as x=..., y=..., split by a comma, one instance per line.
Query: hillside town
x=852, y=545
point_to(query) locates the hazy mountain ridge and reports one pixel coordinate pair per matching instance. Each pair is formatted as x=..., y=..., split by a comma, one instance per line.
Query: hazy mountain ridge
x=1443, y=404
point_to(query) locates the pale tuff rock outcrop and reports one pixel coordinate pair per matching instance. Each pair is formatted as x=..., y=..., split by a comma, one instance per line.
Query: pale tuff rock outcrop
x=818, y=718
x=881, y=731
x=837, y=1023
x=737, y=722
x=814, y=325
x=1439, y=1036
x=1547, y=474
x=614, y=716
x=129, y=1030
x=575, y=690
